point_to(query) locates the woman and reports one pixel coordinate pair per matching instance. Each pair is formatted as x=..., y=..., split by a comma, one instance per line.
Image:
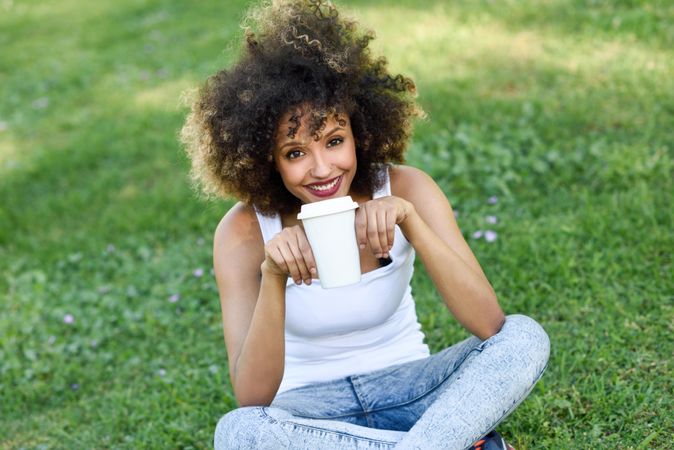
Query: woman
x=307, y=114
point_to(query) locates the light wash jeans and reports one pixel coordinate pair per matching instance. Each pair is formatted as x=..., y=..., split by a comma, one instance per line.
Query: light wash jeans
x=446, y=401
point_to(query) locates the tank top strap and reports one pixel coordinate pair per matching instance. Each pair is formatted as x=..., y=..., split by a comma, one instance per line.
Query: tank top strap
x=270, y=226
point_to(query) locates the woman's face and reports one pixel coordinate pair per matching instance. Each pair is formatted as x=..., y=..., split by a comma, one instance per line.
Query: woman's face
x=316, y=169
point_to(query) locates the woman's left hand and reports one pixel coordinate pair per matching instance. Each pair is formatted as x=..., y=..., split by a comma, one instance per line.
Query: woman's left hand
x=376, y=221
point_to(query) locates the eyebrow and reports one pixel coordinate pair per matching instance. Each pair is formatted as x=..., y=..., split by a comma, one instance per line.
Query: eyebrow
x=330, y=133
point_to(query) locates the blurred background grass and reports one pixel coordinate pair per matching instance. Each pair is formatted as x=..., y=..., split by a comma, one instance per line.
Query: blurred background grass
x=561, y=111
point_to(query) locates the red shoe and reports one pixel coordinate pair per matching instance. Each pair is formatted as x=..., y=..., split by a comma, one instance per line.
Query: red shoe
x=492, y=441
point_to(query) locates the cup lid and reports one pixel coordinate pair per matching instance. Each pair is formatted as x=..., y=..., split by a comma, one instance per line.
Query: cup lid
x=326, y=207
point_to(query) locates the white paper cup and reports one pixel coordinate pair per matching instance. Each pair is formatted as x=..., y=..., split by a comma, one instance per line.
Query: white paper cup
x=330, y=229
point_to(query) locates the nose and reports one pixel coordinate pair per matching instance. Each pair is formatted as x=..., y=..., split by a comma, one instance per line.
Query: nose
x=322, y=167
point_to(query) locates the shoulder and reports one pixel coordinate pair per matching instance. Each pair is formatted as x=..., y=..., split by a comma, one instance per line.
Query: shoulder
x=412, y=184
x=237, y=219
x=238, y=231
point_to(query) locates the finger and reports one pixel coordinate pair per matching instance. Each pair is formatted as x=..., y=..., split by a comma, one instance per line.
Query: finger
x=290, y=263
x=373, y=233
x=390, y=229
x=361, y=227
x=277, y=259
x=307, y=254
x=381, y=230
x=299, y=260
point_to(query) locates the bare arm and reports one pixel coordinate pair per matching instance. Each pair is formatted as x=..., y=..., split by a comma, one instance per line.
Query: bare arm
x=251, y=280
x=259, y=367
x=425, y=217
x=456, y=273
x=253, y=309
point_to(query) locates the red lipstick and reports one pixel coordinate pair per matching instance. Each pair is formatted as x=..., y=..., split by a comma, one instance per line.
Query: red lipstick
x=325, y=189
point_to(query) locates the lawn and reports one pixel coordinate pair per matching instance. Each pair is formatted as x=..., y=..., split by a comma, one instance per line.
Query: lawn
x=550, y=125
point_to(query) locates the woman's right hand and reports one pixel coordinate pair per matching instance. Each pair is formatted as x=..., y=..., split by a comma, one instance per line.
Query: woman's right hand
x=289, y=254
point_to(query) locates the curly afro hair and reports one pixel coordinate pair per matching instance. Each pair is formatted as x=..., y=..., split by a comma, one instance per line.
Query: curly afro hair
x=297, y=53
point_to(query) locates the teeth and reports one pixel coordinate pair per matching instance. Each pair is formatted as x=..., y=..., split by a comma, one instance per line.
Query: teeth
x=325, y=187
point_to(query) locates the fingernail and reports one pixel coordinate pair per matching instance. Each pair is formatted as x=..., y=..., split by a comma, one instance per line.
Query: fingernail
x=298, y=282
x=378, y=255
x=362, y=246
x=313, y=270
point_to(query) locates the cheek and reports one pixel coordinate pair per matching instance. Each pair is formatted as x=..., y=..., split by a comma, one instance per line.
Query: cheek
x=291, y=174
x=353, y=161
x=347, y=158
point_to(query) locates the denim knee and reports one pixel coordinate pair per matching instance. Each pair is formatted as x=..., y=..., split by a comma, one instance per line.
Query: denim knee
x=529, y=337
x=251, y=427
x=231, y=430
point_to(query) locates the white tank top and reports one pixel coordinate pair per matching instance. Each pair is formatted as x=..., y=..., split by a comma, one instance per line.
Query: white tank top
x=333, y=333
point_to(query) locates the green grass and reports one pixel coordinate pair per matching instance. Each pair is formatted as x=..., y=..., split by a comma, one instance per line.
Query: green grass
x=562, y=109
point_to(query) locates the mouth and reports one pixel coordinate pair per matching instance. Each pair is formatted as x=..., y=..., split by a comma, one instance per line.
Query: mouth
x=325, y=189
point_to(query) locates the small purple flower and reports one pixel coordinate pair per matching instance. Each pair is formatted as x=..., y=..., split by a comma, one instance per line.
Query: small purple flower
x=110, y=248
x=68, y=319
x=51, y=340
x=492, y=200
x=478, y=234
x=174, y=298
x=490, y=235
x=200, y=241
x=161, y=372
x=198, y=273
x=456, y=213
x=94, y=343
x=213, y=369
x=74, y=386
x=492, y=220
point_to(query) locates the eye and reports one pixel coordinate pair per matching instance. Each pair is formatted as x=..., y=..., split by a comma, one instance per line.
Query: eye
x=335, y=141
x=293, y=154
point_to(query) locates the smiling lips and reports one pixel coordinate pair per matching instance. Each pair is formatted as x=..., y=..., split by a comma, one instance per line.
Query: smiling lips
x=325, y=189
